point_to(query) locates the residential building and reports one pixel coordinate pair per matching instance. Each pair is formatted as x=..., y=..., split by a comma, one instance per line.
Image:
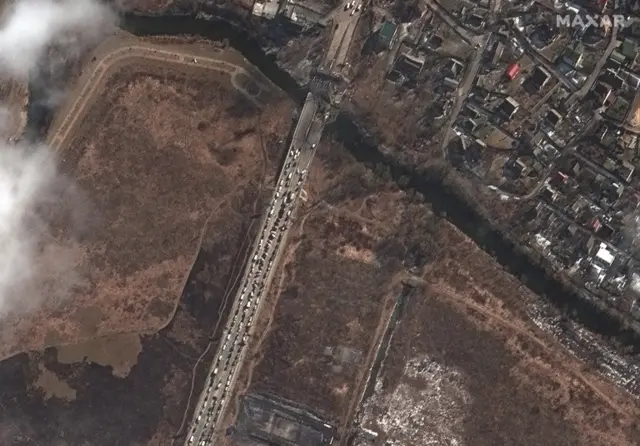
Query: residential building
x=508, y=108
x=539, y=78
x=267, y=9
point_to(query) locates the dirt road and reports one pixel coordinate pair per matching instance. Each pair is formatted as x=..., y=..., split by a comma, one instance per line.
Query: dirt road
x=128, y=52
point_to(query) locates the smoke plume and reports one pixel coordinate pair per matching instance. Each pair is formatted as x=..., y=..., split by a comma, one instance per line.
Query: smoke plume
x=36, y=200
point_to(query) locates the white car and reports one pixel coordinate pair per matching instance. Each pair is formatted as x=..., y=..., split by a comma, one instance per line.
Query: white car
x=358, y=8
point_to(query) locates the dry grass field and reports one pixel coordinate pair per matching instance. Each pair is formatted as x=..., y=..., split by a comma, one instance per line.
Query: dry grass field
x=176, y=166
x=465, y=363
x=463, y=368
x=160, y=152
x=324, y=324
x=13, y=112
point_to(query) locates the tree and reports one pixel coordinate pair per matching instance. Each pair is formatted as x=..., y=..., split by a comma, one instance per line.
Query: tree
x=405, y=11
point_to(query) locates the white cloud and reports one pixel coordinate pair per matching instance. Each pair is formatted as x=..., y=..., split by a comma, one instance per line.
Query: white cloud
x=31, y=26
x=36, y=201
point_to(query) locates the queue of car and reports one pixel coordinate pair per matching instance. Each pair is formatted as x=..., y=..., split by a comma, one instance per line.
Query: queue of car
x=350, y=5
x=251, y=292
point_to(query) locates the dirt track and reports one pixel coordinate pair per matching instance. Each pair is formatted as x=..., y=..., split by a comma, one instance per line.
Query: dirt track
x=125, y=52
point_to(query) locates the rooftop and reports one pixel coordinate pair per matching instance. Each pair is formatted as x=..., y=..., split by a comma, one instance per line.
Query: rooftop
x=605, y=255
x=388, y=31
x=540, y=77
x=629, y=48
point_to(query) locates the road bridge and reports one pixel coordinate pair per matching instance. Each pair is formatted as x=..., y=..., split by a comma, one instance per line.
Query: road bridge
x=256, y=279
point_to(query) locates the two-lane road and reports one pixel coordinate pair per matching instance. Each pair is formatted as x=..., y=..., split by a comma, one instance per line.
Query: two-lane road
x=255, y=282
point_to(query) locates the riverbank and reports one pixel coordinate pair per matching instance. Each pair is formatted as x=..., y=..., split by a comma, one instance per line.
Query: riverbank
x=446, y=201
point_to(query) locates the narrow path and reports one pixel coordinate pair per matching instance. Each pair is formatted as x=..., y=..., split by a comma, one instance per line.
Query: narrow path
x=60, y=136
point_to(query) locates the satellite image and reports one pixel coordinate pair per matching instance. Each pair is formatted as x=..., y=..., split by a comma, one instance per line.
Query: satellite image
x=319, y=222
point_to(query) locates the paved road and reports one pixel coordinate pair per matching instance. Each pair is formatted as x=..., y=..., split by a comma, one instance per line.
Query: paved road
x=463, y=92
x=344, y=22
x=541, y=60
x=255, y=281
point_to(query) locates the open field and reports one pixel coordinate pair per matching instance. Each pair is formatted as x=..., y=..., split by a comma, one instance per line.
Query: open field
x=147, y=6
x=156, y=158
x=332, y=299
x=174, y=161
x=323, y=326
x=131, y=389
x=466, y=365
x=465, y=362
x=333, y=296
x=13, y=97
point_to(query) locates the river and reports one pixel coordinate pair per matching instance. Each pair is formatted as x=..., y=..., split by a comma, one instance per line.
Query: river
x=444, y=201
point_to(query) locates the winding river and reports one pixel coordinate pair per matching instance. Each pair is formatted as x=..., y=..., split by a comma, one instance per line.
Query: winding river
x=444, y=201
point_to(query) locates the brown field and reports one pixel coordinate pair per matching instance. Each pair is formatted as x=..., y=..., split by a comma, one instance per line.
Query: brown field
x=130, y=389
x=148, y=6
x=465, y=363
x=324, y=322
x=333, y=297
x=157, y=157
x=463, y=367
x=328, y=304
x=14, y=96
x=175, y=163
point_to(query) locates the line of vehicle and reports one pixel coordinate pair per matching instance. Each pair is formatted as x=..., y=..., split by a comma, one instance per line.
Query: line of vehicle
x=255, y=283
